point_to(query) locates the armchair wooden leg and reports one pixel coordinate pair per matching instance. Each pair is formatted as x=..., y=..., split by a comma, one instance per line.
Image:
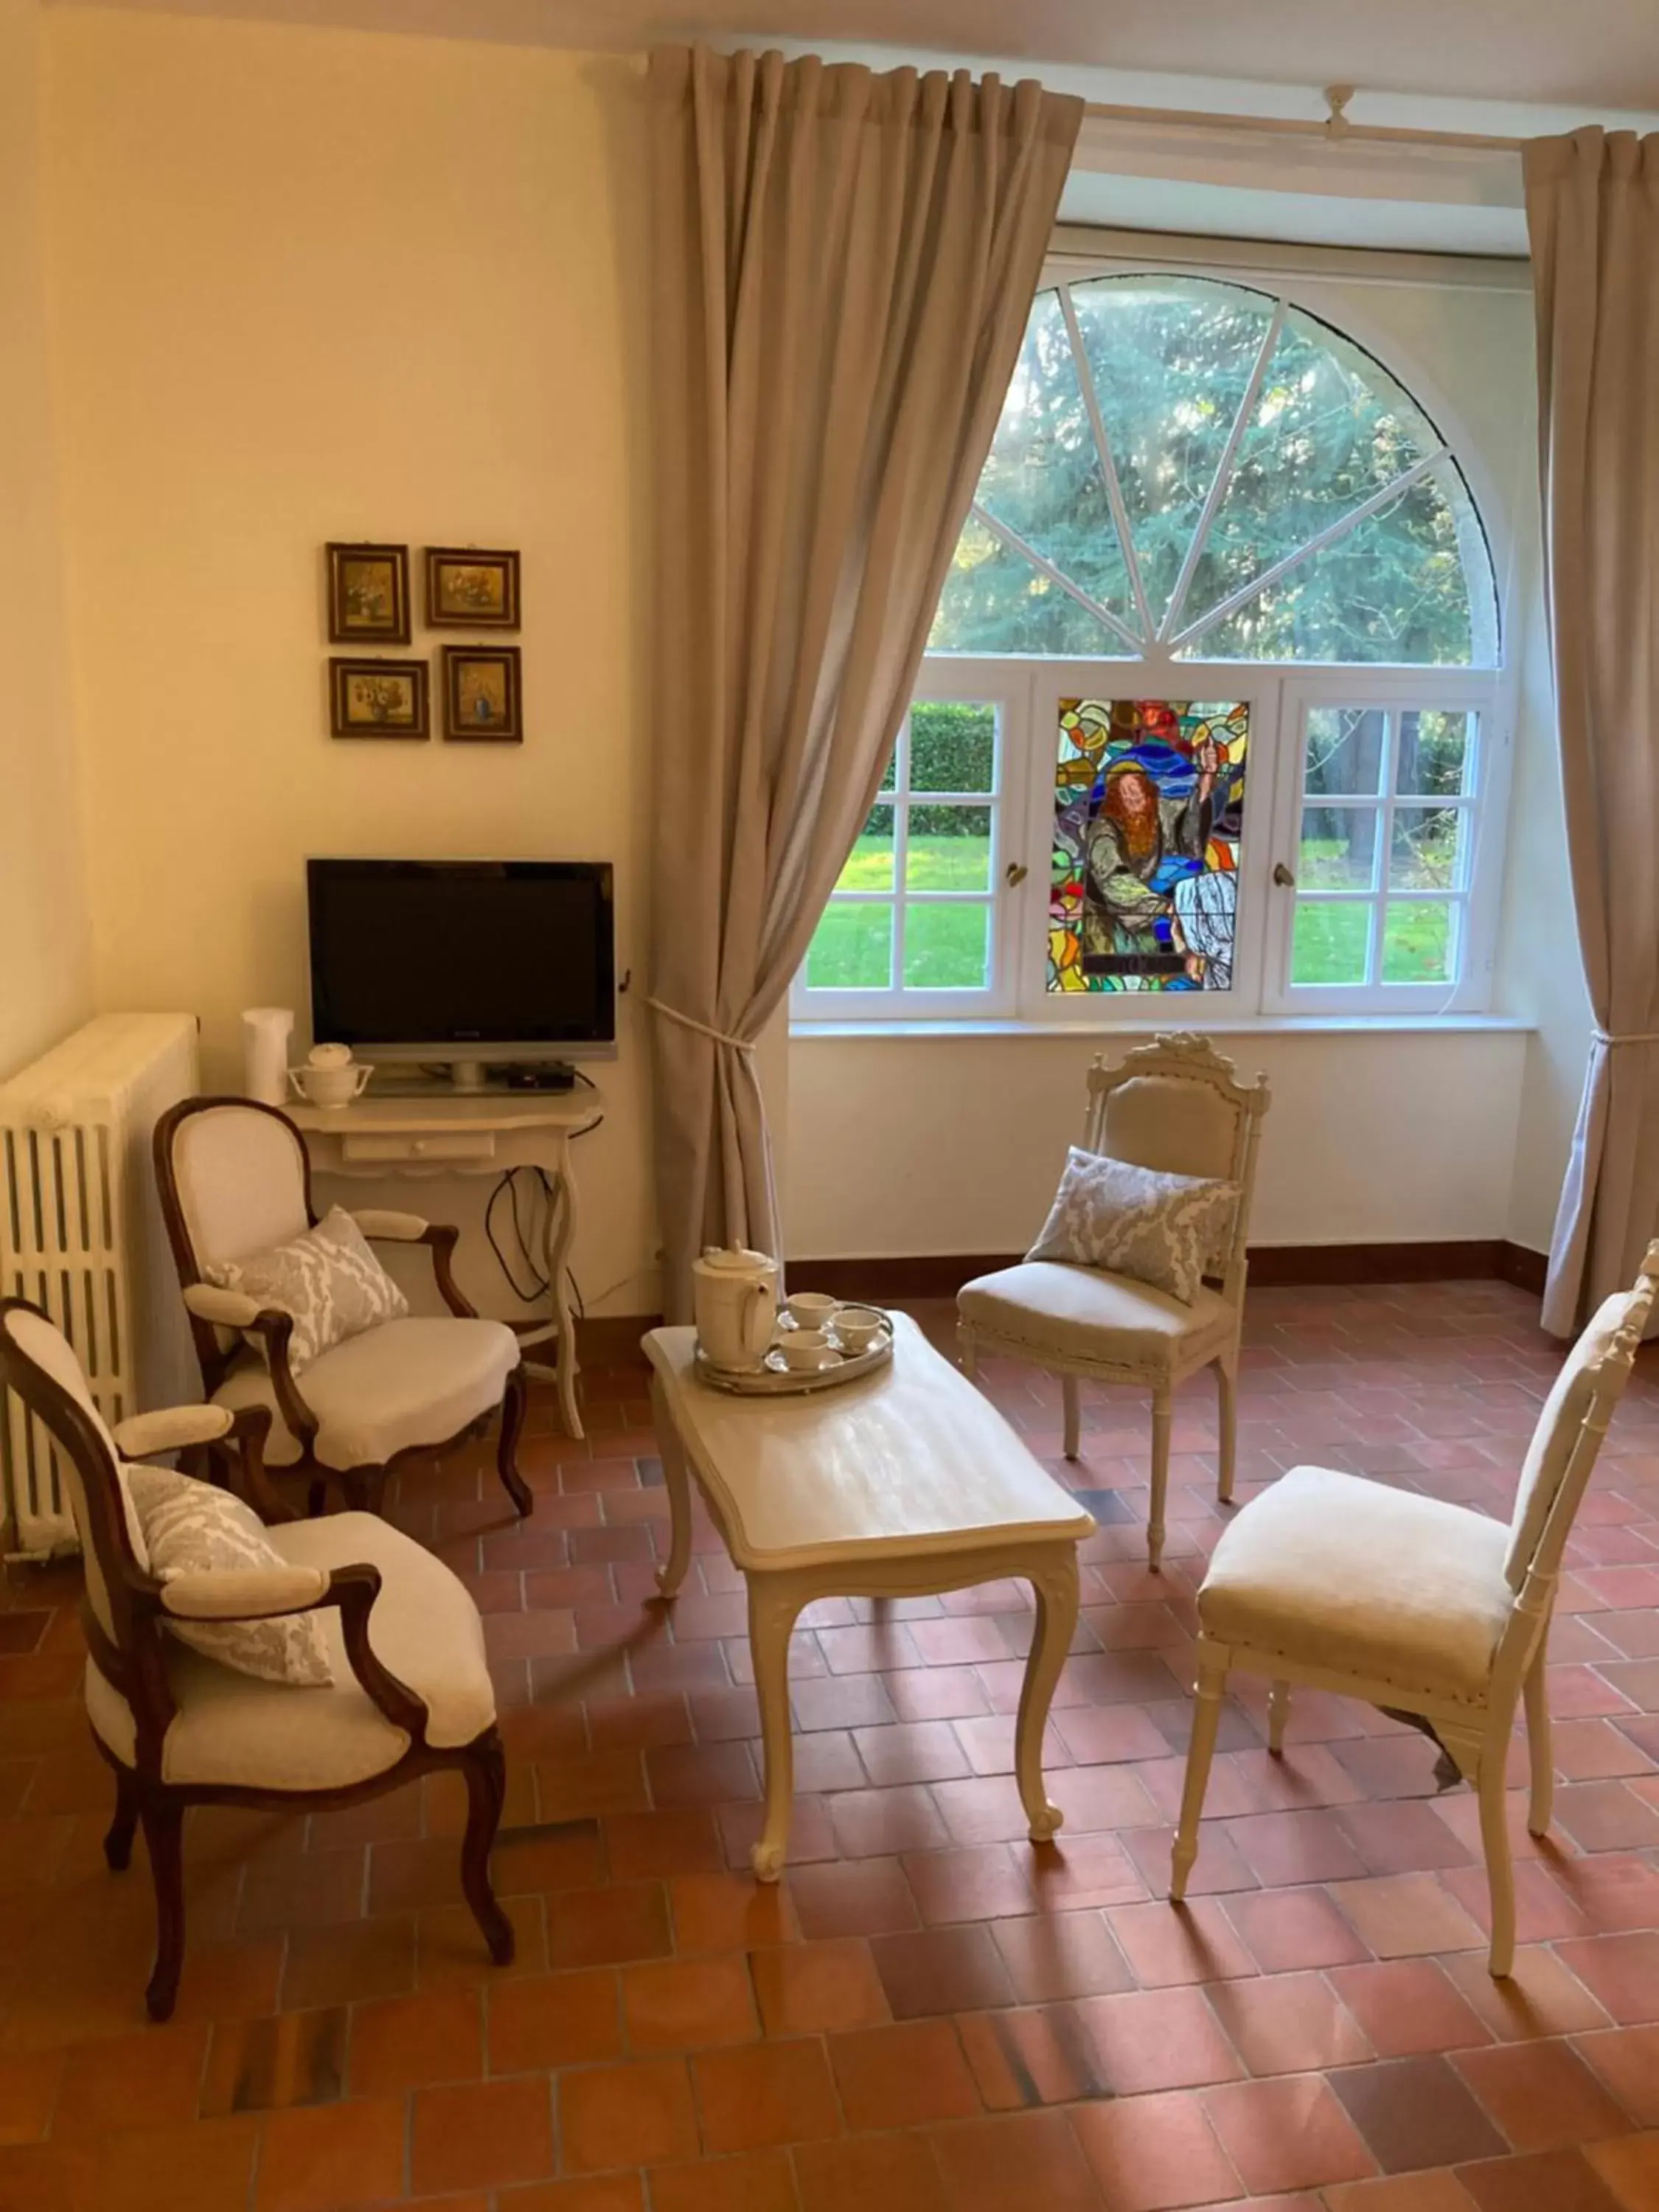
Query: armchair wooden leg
x=1068, y=1398
x=1278, y=1711
x=117, y=1844
x=1206, y=1718
x=485, y=1767
x=1226, y=1379
x=1540, y=1801
x=513, y=1407
x=163, y=1819
x=1163, y=1416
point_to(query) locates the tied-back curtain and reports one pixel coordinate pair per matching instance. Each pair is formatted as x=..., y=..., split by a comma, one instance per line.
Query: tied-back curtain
x=1593, y=214
x=844, y=264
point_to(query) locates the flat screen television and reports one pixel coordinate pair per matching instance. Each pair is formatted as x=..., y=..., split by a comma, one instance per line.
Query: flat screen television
x=463, y=961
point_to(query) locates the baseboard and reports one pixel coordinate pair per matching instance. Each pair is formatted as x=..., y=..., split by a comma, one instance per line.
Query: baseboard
x=1476, y=1259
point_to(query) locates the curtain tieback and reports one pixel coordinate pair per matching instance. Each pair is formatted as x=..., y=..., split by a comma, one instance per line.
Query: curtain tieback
x=719, y=1037
x=1634, y=1036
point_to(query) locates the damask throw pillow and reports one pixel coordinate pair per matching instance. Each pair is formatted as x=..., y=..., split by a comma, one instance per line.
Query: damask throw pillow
x=190, y=1527
x=1162, y=1229
x=329, y=1279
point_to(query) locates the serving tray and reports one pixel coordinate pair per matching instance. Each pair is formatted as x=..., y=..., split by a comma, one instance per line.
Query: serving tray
x=776, y=1379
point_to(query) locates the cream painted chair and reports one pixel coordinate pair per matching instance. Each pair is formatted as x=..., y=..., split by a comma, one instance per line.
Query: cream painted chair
x=1172, y=1105
x=1418, y=1607
x=412, y=1692
x=234, y=1180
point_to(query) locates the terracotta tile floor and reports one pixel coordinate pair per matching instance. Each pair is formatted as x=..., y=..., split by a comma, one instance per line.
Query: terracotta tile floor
x=927, y=2012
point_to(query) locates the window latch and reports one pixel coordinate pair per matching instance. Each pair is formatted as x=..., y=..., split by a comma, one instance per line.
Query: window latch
x=1284, y=877
x=1015, y=873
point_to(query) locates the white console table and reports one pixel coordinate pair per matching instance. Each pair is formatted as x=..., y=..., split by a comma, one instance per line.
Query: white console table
x=425, y=1133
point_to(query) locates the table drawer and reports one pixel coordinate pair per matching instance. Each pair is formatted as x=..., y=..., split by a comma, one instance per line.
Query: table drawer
x=458, y=1145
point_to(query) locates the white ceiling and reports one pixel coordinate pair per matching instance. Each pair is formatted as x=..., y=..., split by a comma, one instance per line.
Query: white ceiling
x=1582, y=54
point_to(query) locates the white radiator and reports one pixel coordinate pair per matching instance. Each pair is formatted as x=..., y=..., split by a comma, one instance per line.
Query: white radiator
x=81, y=1235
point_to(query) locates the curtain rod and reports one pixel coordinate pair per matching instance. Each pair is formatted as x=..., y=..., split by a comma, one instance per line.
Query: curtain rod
x=1336, y=129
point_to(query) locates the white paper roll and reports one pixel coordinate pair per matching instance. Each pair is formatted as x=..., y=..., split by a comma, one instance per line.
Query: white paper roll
x=265, y=1033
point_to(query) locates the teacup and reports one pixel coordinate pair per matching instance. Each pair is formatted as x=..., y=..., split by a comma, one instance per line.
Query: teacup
x=332, y=1086
x=807, y=1350
x=857, y=1328
x=811, y=1308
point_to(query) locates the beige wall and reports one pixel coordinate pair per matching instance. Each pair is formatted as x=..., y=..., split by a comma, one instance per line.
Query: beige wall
x=320, y=284
x=45, y=983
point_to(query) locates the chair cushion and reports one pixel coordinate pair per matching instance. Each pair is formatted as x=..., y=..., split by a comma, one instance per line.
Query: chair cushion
x=406, y=1384
x=1332, y=1571
x=1160, y=1230
x=1047, y=1309
x=328, y=1279
x=192, y=1528
x=232, y=1730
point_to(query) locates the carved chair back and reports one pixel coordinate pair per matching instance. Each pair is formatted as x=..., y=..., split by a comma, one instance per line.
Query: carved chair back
x=1176, y=1106
x=235, y=1178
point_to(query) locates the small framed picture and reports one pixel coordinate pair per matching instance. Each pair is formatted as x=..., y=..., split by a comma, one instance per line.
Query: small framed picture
x=378, y=699
x=468, y=589
x=480, y=694
x=368, y=594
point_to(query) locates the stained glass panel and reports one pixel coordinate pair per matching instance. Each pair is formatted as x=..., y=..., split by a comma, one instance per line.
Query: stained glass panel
x=1148, y=798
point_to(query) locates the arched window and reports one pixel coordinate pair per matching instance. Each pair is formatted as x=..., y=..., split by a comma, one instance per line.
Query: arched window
x=1208, y=703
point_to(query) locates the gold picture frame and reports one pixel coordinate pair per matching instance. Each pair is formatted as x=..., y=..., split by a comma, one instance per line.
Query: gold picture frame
x=469, y=587
x=482, y=701
x=377, y=698
x=368, y=594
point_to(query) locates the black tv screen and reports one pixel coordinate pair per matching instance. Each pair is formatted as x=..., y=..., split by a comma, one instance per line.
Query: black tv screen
x=461, y=953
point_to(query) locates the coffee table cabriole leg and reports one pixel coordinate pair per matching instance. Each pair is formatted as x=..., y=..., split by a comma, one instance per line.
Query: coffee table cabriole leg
x=1053, y=1586
x=775, y=1603
x=677, y=1483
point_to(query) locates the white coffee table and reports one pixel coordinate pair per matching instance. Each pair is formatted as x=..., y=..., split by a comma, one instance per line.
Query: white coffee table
x=903, y=1483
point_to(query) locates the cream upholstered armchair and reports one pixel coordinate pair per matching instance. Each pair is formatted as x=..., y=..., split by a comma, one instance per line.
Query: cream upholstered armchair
x=1174, y=1106
x=1428, y=1610
x=235, y=1181
x=410, y=1692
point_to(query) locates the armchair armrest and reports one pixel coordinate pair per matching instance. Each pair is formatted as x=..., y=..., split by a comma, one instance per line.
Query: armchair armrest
x=224, y=1308
x=171, y=1428
x=394, y=1228
x=242, y=1594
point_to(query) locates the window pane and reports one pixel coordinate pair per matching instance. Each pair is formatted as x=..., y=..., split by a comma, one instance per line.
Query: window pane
x=889, y=782
x=1331, y=942
x=949, y=850
x=1346, y=752
x=1339, y=848
x=1433, y=752
x=994, y=601
x=947, y=947
x=1423, y=855
x=852, y=949
x=1043, y=477
x=953, y=745
x=870, y=864
x=1418, y=941
x=1149, y=801
x=1170, y=357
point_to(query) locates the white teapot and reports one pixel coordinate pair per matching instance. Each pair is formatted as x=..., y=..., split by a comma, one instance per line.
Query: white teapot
x=331, y=1077
x=735, y=1302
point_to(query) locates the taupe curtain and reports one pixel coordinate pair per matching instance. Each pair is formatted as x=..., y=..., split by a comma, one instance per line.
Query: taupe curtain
x=1593, y=214
x=844, y=264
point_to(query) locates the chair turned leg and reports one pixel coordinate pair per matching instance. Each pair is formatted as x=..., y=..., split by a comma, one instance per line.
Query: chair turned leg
x=1500, y=1873
x=1069, y=1394
x=513, y=1407
x=1278, y=1711
x=1207, y=1716
x=1163, y=1416
x=485, y=1767
x=118, y=1844
x=163, y=1820
x=1541, y=1799
x=1226, y=1379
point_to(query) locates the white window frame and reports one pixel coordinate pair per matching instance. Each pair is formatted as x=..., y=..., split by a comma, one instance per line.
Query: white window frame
x=995, y=682
x=1026, y=689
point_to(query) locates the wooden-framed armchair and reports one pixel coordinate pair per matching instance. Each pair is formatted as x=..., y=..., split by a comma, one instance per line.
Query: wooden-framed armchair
x=235, y=1180
x=1174, y=1106
x=412, y=1692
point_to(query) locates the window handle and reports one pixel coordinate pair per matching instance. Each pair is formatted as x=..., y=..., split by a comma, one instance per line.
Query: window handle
x=1015, y=873
x=1284, y=877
